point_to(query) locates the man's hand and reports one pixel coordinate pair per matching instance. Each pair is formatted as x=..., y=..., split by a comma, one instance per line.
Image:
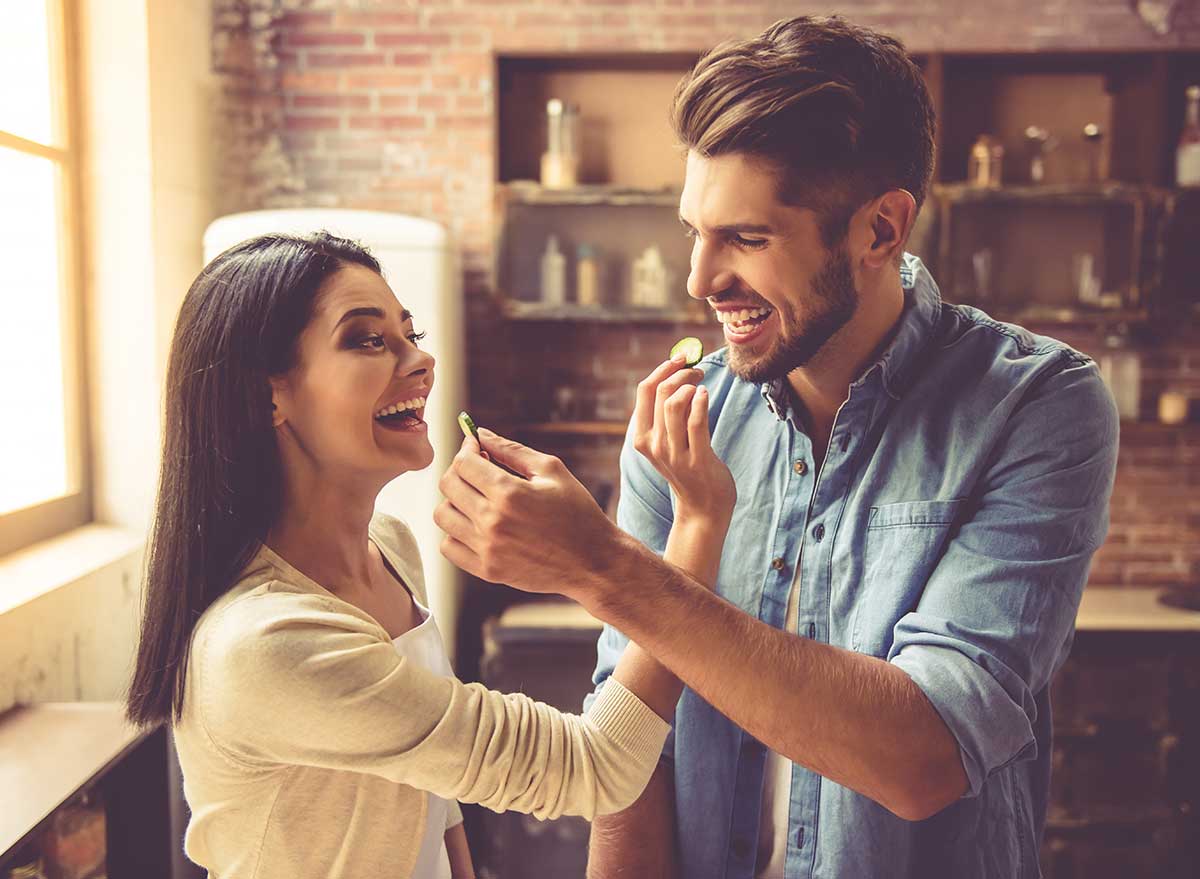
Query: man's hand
x=670, y=430
x=543, y=534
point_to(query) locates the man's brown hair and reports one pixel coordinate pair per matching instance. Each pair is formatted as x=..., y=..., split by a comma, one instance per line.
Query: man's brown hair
x=840, y=112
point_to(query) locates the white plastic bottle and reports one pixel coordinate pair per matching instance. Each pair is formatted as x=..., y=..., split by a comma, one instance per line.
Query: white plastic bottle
x=554, y=273
x=650, y=282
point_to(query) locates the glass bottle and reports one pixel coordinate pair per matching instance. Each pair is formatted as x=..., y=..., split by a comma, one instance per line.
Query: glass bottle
x=1187, y=154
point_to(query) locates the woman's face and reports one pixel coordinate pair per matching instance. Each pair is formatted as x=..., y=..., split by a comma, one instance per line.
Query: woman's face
x=353, y=407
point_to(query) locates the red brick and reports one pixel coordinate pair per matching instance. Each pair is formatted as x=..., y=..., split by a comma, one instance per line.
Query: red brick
x=317, y=101
x=396, y=102
x=295, y=21
x=390, y=40
x=304, y=39
x=388, y=80
x=411, y=59
x=312, y=123
x=346, y=59
x=373, y=20
x=389, y=123
x=309, y=82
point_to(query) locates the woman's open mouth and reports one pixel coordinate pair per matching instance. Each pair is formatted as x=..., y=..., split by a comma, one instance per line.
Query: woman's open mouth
x=404, y=416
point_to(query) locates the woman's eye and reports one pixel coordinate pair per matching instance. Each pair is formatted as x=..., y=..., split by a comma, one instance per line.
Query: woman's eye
x=416, y=337
x=374, y=342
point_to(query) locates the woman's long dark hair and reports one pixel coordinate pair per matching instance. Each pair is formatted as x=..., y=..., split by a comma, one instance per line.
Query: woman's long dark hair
x=220, y=479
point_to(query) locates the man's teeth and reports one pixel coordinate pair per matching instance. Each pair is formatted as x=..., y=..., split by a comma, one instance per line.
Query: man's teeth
x=403, y=406
x=738, y=317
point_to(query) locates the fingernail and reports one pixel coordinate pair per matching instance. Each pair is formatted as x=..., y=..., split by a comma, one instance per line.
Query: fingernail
x=679, y=358
x=701, y=390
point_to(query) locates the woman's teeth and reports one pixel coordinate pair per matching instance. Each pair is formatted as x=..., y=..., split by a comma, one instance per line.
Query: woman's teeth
x=412, y=405
x=742, y=321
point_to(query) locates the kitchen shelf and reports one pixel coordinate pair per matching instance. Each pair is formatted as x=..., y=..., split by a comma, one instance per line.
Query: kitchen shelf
x=1064, y=194
x=516, y=309
x=530, y=193
x=574, y=428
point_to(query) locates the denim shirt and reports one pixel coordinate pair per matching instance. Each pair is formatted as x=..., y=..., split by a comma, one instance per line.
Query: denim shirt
x=949, y=532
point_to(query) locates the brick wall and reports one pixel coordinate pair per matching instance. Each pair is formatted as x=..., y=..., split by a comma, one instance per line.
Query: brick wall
x=390, y=106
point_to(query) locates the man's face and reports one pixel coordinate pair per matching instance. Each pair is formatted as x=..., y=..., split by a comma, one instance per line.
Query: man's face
x=780, y=294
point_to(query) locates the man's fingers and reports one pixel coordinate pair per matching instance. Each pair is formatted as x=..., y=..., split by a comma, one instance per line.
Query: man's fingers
x=461, y=556
x=464, y=496
x=668, y=387
x=647, y=390
x=457, y=526
x=697, y=423
x=524, y=460
x=675, y=418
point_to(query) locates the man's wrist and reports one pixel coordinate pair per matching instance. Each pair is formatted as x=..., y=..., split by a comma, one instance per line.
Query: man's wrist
x=702, y=523
x=605, y=584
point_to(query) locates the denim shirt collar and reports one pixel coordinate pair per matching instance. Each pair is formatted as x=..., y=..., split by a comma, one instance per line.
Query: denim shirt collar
x=918, y=320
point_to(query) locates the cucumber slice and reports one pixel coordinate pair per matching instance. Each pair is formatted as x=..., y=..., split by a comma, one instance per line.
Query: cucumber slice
x=691, y=348
x=468, y=426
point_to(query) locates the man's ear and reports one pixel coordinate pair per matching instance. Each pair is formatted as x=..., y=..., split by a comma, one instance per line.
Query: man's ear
x=278, y=400
x=892, y=219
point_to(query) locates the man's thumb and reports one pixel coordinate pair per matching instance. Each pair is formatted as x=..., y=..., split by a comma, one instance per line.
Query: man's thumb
x=523, y=459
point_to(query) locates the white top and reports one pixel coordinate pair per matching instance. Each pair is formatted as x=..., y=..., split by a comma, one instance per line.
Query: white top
x=777, y=783
x=422, y=645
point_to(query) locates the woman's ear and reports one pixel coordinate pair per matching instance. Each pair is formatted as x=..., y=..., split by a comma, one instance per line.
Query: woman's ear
x=278, y=401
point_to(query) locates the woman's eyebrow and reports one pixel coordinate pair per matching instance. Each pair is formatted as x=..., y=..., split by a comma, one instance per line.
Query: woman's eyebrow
x=370, y=311
x=360, y=312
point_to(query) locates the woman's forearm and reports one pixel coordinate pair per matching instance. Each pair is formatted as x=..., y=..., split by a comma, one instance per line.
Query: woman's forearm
x=694, y=544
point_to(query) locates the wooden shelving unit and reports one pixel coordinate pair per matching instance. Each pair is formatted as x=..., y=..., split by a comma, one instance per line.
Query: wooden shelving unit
x=573, y=428
x=516, y=309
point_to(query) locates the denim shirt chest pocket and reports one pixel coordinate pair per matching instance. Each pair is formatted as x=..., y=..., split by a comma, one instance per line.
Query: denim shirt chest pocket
x=902, y=546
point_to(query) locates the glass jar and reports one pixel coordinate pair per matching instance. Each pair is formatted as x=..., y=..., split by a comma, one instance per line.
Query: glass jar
x=985, y=161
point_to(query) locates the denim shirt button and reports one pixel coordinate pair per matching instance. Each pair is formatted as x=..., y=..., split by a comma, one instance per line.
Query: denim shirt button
x=801, y=466
x=818, y=533
x=777, y=563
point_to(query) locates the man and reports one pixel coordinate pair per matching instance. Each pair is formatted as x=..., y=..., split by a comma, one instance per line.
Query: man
x=920, y=492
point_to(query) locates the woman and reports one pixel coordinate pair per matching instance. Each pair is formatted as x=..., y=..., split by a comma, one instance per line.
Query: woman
x=286, y=635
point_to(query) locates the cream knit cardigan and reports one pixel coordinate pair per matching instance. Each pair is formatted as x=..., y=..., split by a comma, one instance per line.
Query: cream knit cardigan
x=308, y=744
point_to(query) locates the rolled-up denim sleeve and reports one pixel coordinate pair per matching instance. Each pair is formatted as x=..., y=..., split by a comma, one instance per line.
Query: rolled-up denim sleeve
x=643, y=511
x=997, y=617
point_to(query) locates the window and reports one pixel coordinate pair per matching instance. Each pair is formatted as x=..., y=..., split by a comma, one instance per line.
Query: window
x=43, y=483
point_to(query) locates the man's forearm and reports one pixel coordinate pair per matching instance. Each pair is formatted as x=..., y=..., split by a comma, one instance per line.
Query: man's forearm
x=694, y=545
x=638, y=843
x=852, y=718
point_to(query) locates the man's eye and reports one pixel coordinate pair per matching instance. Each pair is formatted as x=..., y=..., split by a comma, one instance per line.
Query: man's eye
x=749, y=243
x=689, y=233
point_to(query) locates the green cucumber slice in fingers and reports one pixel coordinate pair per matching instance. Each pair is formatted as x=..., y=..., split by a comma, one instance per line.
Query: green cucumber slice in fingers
x=691, y=348
x=468, y=426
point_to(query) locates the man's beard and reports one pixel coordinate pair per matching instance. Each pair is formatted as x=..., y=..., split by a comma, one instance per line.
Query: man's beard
x=833, y=302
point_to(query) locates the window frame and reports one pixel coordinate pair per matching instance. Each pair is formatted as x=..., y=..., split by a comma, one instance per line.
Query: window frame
x=41, y=521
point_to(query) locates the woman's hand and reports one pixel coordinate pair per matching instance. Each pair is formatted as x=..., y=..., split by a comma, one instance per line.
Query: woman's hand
x=671, y=432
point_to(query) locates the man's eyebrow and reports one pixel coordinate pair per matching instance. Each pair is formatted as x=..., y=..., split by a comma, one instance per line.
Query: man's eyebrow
x=735, y=228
